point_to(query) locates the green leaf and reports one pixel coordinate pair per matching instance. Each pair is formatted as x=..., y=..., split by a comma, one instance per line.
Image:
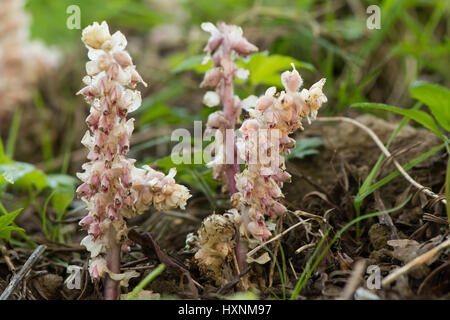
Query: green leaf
x=61, y=200
x=22, y=175
x=64, y=188
x=61, y=181
x=167, y=163
x=437, y=98
x=15, y=171
x=8, y=218
x=5, y=224
x=265, y=69
x=193, y=63
x=305, y=147
x=49, y=17
x=419, y=116
x=2, y=152
x=162, y=114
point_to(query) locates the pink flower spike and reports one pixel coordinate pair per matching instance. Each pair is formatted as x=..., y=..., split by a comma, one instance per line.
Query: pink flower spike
x=109, y=178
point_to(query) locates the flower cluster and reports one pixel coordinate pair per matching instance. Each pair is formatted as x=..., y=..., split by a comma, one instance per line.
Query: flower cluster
x=214, y=243
x=113, y=188
x=264, y=139
x=225, y=44
x=22, y=62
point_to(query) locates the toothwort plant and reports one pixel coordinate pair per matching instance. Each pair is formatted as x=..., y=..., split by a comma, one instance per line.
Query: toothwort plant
x=225, y=44
x=113, y=188
x=264, y=140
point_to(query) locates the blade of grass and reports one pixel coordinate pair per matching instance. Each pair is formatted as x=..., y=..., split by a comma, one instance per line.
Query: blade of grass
x=149, y=278
x=366, y=185
x=46, y=144
x=30, y=242
x=206, y=189
x=447, y=184
x=44, y=215
x=282, y=279
x=13, y=131
x=298, y=286
x=2, y=152
x=396, y=173
x=302, y=281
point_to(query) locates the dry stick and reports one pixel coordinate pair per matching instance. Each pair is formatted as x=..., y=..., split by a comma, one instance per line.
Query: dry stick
x=15, y=281
x=150, y=247
x=7, y=259
x=415, y=263
x=380, y=145
x=354, y=280
x=252, y=252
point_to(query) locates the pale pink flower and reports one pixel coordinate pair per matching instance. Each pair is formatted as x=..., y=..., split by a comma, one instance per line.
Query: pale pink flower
x=113, y=188
x=277, y=116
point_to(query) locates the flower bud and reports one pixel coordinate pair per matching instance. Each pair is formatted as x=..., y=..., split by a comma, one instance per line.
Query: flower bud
x=122, y=58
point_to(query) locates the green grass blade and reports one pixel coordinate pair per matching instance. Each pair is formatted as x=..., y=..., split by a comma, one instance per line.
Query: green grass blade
x=367, y=183
x=419, y=116
x=394, y=174
x=12, y=135
x=337, y=236
x=149, y=278
x=447, y=184
x=299, y=285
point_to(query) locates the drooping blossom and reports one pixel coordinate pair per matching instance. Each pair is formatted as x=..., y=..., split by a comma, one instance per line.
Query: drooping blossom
x=225, y=44
x=263, y=143
x=113, y=188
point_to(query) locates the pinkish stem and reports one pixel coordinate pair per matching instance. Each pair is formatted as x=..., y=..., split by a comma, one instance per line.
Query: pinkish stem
x=230, y=114
x=232, y=168
x=111, y=287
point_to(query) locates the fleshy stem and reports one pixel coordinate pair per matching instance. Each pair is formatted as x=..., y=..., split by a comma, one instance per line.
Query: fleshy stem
x=230, y=114
x=111, y=287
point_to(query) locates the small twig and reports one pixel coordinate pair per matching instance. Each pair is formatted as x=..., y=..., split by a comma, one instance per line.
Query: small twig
x=433, y=218
x=387, y=154
x=233, y=282
x=138, y=268
x=415, y=263
x=293, y=270
x=15, y=281
x=132, y=263
x=8, y=259
x=176, y=214
x=150, y=247
x=431, y=275
x=385, y=218
x=252, y=252
x=306, y=246
x=354, y=280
